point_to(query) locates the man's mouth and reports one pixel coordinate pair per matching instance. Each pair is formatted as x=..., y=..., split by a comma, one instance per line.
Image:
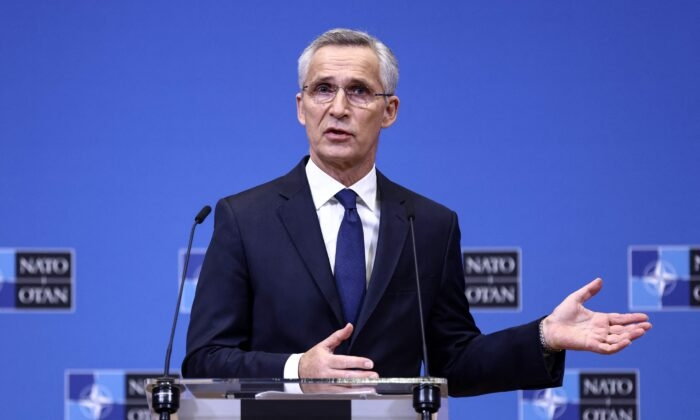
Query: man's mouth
x=336, y=133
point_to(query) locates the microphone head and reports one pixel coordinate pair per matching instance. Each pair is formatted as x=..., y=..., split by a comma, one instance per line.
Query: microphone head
x=199, y=218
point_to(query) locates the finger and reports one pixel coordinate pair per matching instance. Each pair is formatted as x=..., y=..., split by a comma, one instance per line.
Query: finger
x=636, y=333
x=630, y=332
x=606, y=348
x=338, y=336
x=624, y=319
x=354, y=374
x=616, y=329
x=617, y=338
x=350, y=362
x=588, y=291
x=615, y=342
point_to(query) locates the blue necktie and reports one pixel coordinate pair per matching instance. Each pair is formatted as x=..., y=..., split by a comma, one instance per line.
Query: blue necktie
x=350, y=268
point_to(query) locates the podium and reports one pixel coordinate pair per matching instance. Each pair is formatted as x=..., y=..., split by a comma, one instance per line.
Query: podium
x=279, y=399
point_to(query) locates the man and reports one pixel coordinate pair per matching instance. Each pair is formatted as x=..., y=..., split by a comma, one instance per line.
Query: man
x=273, y=299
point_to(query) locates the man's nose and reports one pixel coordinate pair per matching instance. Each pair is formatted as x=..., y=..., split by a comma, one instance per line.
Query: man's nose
x=339, y=104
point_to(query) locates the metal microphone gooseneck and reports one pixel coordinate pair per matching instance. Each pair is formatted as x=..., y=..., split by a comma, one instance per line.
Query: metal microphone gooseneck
x=426, y=396
x=165, y=395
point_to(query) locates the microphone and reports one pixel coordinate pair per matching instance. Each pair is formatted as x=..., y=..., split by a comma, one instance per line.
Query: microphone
x=165, y=396
x=426, y=396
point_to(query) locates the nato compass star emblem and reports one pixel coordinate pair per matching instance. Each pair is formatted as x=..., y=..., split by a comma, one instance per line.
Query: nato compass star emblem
x=660, y=278
x=95, y=402
x=664, y=277
x=550, y=403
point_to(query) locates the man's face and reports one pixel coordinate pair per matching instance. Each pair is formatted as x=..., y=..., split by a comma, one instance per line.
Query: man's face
x=343, y=136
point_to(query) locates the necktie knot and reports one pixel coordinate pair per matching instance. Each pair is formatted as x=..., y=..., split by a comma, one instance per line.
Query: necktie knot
x=347, y=198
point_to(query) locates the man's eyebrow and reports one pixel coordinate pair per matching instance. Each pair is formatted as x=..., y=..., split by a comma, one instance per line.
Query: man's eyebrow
x=331, y=79
x=326, y=79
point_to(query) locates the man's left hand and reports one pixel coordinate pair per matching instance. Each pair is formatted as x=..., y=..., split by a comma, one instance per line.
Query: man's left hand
x=571, y=326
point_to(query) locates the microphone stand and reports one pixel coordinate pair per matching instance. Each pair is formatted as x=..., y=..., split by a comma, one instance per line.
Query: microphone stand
x=165, y=395
x=426, y=396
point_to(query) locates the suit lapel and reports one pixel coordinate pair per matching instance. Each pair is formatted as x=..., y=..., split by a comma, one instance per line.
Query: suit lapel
x=299, y=218
x=393, y=230
x=298, y=215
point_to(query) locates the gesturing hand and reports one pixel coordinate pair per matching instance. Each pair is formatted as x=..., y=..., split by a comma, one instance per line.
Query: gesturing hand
x=320, y=362
x=572, y=326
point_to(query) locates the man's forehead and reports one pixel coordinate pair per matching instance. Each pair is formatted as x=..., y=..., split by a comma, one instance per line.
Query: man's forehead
x=349, y=63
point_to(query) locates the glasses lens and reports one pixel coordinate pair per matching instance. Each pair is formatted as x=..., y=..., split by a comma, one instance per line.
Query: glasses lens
x=323, y=93
x=358, y=95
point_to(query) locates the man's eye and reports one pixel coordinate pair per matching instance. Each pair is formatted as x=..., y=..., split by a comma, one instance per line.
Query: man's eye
x=323, y=88
x=358, y=90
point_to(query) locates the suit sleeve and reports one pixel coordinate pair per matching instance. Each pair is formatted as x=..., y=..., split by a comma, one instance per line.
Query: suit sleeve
x=476, y=363
x=219, y=334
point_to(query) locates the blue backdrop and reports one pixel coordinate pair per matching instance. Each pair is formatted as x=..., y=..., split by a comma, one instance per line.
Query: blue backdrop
x=568, y=129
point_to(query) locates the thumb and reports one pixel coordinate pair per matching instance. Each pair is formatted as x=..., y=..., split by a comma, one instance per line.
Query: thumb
x=338, y=336
x=588, y=291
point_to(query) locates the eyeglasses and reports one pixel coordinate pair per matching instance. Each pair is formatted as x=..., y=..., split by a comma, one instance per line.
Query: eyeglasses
x=357, y=94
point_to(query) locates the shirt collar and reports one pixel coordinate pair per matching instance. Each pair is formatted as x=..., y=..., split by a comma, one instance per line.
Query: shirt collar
x=324, y=187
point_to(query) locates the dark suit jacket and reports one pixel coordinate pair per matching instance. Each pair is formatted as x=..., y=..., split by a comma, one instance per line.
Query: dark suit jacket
x=266, y=290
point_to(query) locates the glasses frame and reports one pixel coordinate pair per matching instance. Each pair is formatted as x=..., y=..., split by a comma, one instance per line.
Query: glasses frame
x=347, y=97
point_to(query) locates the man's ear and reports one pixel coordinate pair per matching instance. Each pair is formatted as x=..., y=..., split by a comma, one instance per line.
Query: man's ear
x=391, y=111
x=301, y=116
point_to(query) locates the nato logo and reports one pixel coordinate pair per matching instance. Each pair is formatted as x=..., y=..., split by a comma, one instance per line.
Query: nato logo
x=106, y=395
x=36, y=280
x=585, y=395
x=193, y=269
x=664, y=277
x=492, y=278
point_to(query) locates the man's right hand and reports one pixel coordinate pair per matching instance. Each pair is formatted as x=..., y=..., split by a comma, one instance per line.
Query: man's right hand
x=320, y=362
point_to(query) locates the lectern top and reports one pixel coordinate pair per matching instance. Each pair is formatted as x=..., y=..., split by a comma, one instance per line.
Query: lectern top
x=340, y=388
